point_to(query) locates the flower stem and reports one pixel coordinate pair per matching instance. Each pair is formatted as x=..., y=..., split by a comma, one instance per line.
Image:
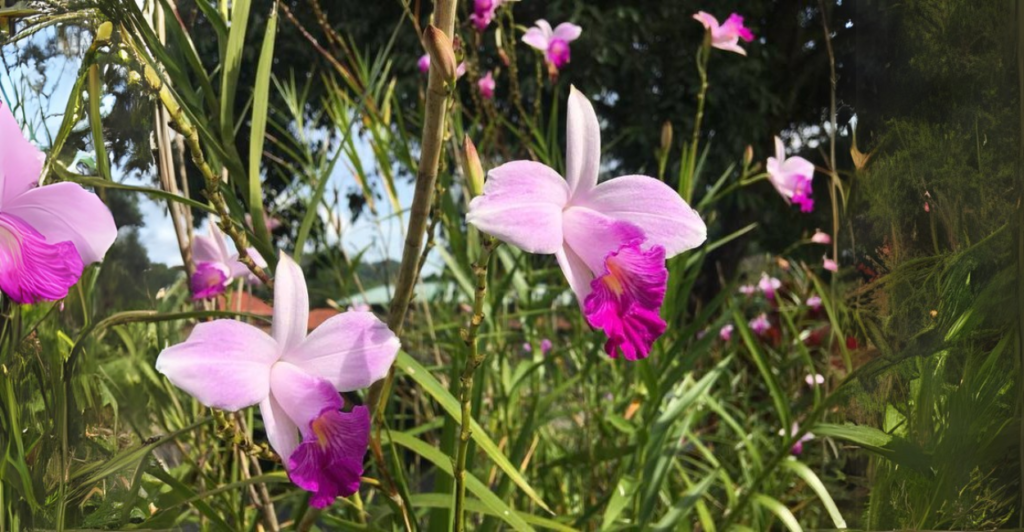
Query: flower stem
x=687, y=182
x=473, y=361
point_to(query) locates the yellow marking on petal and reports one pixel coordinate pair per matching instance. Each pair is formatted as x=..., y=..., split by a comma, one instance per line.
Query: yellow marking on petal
x=615, y=278
x=320, y=429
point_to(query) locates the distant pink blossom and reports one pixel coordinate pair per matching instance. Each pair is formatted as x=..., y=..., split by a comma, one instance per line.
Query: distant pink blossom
x=814, y=380
x=483, y=13
x=820, y=238
x=829, y=264
x=791, y=177
x=612, y=253
x=726, y=36
x=725, y=333
x=486, y=85
x=748, y=289
x=210, y=254
x=769, y=285
x=48, y=234
x=554, y=43
x=798, y=446
x=760, y=324
x=545, y=346
x=814, y=302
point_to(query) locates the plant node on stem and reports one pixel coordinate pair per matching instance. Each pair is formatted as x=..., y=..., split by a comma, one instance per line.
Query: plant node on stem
x=473, y=361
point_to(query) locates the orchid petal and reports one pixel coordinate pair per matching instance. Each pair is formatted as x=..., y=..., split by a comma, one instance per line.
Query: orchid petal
x=522, y=204
x=302, y=396
x=351, y=351
x=535, y=38
x=32, y=269
x=21, y=163
x=205, y=249
x=708, y=20
x=218, y=238
x=576, y=272
x=545, y=28
x=282, y=432
x=567, y=31
x=224, y=364
x=583, y=145
x=593, y=235
x=291, y=304
x=67, y=212
x=654, y=207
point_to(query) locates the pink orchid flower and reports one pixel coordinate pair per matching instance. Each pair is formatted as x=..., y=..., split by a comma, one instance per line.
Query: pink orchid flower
x=295, y=379
x=545, y=346
x=216, y=266
x=814, y=302
x=727, y=36
x=611, y=240
x=760, y=324
x=48, y=234
x=820, y=238
x=747, y=289
x=554, y=44
x=791, y=177
x=487, y=85
x=814, y=380
x=798, y=446
x=483, y=13
x=829, y=264
x=769, y=285
x=725, y=333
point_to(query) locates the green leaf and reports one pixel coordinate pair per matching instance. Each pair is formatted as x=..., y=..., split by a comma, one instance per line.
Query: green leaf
x=684, y=504
x=818, y=487
x=620, y=500
x=418, y=373
x=473, y=484
x=260, y=104
x=780, y=511
x=232, y=67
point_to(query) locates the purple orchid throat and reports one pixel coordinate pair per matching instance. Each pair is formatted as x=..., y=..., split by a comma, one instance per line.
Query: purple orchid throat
x=611, y=240
x=553, y=42
x=210, y=280
x=329, y=461
x=625, y=300
x=295, y=378
x=48, y=234
x=32, y=270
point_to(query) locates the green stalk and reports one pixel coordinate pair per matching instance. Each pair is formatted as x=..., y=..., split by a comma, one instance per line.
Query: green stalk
x=473, y=361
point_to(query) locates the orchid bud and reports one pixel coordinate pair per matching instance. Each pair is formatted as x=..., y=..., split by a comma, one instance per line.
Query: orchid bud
x=748, y=155
x=103, y=33
x=472, y=168
x=666, y=136
x=442, y=54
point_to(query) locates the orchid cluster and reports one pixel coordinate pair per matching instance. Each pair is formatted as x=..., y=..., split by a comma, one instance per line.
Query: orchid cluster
x=611, y=240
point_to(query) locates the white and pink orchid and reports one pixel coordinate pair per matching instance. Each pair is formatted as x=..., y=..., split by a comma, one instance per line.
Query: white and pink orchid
x=554, y=43
x=791, y=177
x=726, y=36
x=48, y=234
x=216, y=266
x=295, y=379
x=611, y=239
